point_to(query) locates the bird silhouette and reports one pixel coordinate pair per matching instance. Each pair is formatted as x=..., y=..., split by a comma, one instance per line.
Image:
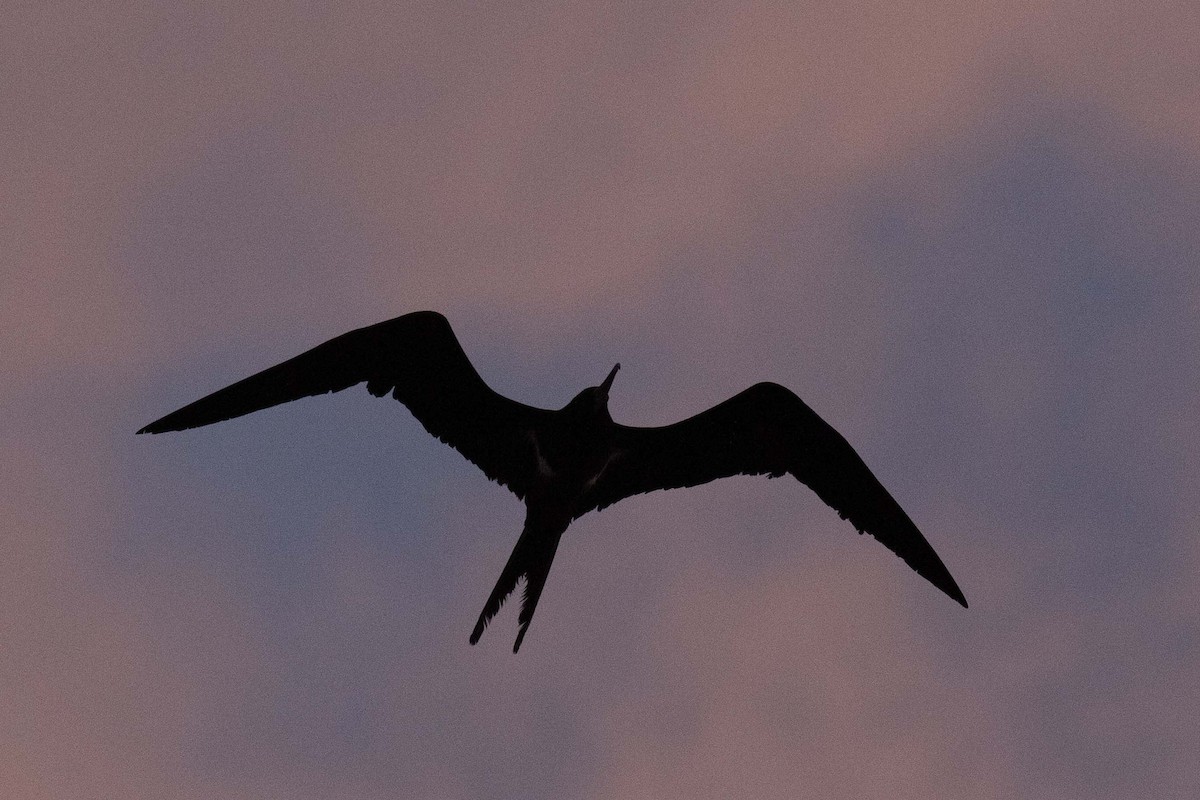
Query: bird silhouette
x=568, y=462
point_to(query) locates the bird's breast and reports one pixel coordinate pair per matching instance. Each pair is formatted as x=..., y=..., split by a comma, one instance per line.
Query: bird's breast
x=570, y=464
x=545, y=471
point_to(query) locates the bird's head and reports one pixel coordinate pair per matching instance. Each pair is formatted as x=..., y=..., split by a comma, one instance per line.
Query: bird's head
x=593, y=401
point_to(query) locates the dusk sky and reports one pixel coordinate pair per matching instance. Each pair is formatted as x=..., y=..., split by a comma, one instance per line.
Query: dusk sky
x=967, y=234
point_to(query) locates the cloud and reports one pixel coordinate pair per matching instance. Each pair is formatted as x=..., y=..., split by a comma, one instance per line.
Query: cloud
x=965, y=239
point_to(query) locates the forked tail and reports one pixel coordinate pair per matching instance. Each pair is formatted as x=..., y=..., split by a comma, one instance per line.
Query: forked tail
x=531, y=558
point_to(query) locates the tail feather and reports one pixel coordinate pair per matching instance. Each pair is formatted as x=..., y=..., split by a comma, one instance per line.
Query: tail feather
x=513, y=570
x=531, y=558
x=535, y=581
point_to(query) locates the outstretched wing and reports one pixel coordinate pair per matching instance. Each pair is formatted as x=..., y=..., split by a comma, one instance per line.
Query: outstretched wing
x=418, y=359
x=768, y=430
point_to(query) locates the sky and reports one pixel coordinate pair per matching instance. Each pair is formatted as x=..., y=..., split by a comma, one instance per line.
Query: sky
x=964, y=233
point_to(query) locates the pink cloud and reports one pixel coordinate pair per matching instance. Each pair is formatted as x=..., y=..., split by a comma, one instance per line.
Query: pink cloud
x=197, y=191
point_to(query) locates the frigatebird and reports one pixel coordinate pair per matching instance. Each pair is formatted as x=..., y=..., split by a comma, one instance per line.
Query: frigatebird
x=568, y=462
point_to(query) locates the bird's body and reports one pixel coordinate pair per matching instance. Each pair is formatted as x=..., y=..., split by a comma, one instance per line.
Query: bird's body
x=565, y=463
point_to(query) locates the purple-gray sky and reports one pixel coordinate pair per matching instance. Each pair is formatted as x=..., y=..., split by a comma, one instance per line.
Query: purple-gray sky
x=966, y=234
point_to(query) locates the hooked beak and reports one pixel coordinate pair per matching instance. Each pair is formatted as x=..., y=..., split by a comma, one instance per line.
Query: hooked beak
x=608, y=381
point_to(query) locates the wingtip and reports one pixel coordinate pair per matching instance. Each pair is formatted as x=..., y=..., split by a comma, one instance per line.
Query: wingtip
x=160, y=425
x=956, y=594
x=171, y=423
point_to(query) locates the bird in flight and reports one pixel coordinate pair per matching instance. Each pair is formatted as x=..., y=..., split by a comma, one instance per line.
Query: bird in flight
x=568, y=462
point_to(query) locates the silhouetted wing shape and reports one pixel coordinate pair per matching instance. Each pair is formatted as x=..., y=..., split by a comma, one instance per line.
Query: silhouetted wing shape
x=418, y=359
x=768, y=430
